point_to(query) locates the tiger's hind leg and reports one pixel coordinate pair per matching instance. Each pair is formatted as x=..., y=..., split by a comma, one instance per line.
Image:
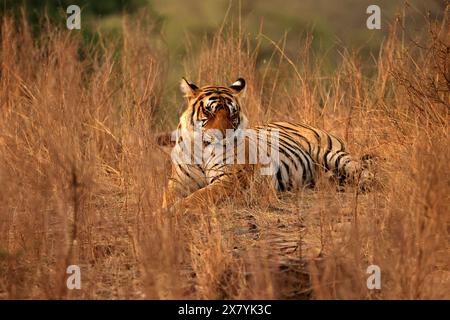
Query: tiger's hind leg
x=358, y=173
x=367, y=175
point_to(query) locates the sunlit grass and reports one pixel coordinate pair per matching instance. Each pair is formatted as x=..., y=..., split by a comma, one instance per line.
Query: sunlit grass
x=82, y=177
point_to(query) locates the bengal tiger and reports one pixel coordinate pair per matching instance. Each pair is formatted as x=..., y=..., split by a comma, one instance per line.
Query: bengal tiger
x=301, y=151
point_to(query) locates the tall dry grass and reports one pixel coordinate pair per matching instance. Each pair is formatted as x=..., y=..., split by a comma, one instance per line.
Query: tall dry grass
x=81, y=177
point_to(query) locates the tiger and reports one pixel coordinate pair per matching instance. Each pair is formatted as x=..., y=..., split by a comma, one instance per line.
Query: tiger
x=302, y=151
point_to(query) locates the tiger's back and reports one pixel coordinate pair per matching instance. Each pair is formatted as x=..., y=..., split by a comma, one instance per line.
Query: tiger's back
x=304, y=151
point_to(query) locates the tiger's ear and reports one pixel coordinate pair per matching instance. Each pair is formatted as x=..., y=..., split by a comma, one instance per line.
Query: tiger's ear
x=238, y=86
x=189, y=89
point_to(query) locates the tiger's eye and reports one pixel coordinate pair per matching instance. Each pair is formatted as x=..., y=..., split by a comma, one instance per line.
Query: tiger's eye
x=208, y=107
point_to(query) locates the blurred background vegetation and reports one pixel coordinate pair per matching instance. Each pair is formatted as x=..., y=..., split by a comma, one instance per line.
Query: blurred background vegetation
x=333, y=26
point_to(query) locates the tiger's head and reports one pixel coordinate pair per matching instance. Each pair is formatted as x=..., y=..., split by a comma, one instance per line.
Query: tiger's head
x=213, y=107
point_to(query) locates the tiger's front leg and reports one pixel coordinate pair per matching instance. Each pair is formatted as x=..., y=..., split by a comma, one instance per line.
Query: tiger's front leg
x=178, y=188
x=204, y=197
x=220, y=189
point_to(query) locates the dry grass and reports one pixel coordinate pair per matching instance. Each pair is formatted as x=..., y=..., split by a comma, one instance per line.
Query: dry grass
x=81, y=176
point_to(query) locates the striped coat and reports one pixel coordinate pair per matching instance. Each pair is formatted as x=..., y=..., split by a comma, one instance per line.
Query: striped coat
x=291, y=153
